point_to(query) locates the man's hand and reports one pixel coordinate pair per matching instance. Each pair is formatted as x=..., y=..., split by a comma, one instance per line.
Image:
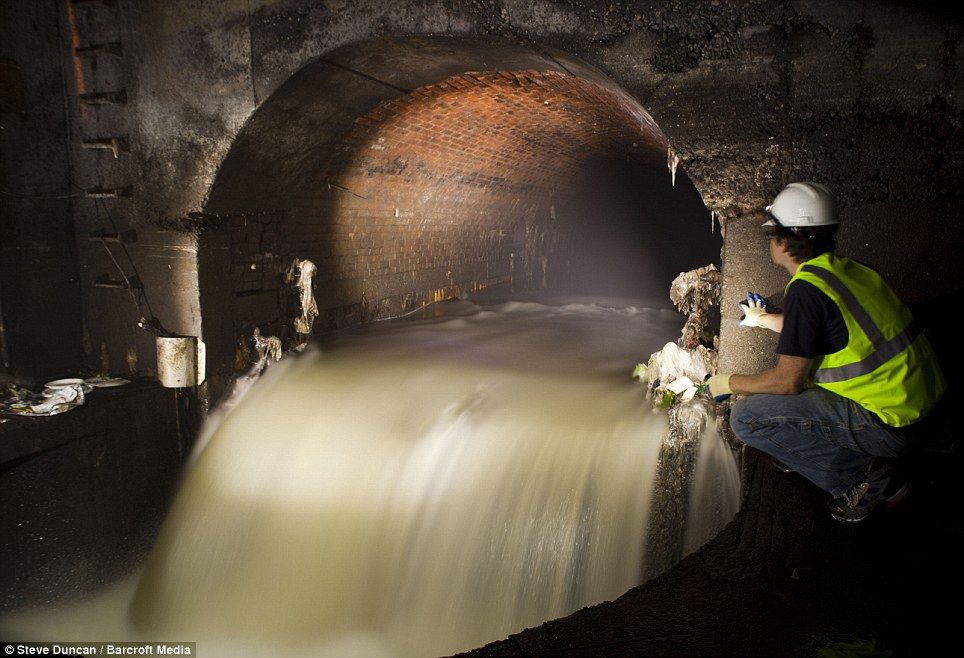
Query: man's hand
x=719, y=387
x=754, y=308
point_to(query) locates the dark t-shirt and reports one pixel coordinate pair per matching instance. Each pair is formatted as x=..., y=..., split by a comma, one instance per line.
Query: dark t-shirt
x=812, y=323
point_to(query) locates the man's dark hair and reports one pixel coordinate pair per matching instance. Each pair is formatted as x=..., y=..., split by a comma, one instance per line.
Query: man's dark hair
x=804, y=244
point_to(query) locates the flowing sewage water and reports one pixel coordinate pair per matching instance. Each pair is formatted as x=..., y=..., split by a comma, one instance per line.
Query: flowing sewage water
x=415, y=488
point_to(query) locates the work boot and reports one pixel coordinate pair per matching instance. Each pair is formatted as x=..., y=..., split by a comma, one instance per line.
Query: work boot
x=856, y=504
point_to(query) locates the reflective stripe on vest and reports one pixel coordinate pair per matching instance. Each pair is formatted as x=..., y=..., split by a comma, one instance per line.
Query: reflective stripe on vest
x=884, y=350
x=887, y=365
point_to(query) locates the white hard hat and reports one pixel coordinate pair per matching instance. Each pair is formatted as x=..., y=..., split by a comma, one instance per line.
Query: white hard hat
x=803, y=205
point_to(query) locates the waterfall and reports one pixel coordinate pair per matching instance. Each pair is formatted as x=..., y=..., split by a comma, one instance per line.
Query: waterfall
x=418, y=488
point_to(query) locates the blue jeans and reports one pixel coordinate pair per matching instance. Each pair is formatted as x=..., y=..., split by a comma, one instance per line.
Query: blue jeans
x=828, y=439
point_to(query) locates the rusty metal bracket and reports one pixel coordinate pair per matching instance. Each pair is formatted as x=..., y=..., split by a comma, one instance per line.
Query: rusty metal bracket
x=115, y=145
x=113, y=48
x=124, y=237
x=105, y=3
x=104, y=98
x=130, y=283
x=107, y=192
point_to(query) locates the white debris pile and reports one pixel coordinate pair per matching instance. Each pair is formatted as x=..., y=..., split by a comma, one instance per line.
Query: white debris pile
x=57, y=397
x=677, y=372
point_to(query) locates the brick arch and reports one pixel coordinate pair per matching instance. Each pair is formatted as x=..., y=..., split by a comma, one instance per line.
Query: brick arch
x=404, y=196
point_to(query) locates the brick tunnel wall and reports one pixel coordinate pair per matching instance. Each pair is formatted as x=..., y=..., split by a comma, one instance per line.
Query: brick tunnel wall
x=466, y=174
x=455, y=187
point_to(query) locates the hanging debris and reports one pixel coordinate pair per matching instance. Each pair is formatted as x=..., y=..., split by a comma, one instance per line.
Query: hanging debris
x=675, y=378
x=299, y=276
x=697, y=294
x=677, y=372
x=268, y=348
x=672, y=161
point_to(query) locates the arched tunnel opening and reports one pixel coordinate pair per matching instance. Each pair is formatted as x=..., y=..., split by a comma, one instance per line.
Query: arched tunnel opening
x=546, y=177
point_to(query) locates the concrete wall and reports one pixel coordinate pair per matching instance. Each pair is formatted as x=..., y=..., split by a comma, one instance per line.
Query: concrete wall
x=859, y=95
x=40, y=310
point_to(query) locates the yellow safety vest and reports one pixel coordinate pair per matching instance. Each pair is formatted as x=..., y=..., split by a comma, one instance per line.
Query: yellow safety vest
x=887, y=366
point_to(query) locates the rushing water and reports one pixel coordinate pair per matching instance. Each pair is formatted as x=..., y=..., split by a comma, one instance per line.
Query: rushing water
x=414, y=488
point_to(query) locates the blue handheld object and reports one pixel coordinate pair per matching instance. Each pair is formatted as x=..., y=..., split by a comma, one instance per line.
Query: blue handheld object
x=755, y=297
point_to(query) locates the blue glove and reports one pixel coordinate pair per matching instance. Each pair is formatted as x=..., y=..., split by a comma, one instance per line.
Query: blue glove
x=753, y=309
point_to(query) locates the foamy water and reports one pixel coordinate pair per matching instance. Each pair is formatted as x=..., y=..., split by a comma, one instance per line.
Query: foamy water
x=411, y=489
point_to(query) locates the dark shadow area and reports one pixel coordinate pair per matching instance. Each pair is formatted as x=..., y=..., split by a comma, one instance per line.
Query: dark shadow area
x=83, y=493
x=633, y=231
x=931, y=317
x=784, y=579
